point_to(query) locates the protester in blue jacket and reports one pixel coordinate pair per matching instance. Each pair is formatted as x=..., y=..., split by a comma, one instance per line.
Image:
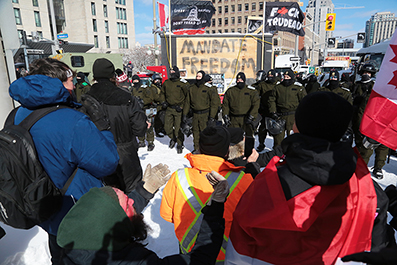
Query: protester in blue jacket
x=65, y=139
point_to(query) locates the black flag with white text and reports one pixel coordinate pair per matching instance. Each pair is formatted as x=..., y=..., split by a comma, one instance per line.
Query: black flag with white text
x=284, y=16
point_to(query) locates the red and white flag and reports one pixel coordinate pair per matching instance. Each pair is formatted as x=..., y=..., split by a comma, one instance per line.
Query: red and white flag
x=163, y=16
x=380, y=117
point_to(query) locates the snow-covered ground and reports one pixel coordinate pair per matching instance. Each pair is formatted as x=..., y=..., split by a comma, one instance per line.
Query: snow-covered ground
x=20, y=247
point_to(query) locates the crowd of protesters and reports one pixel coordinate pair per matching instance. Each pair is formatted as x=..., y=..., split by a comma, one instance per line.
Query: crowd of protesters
x=308, y=200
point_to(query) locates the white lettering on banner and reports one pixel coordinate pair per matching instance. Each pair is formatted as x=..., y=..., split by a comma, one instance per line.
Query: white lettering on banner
x=284, y=22
x=274, y=11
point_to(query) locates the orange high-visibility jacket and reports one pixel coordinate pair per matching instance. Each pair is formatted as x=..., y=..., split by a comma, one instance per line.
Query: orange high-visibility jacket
x=189, y=186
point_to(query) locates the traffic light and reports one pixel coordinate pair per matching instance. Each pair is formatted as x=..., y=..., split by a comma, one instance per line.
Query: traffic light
x=330, y=22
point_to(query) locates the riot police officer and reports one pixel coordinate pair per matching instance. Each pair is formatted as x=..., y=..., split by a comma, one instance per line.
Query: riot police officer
x=312, y=85
x=240, y=106
x=333, y=85
x=174, y=92
x=160, y=116
x=265, y=89
x=363, y=90
x=283, y=102
x=203, y=101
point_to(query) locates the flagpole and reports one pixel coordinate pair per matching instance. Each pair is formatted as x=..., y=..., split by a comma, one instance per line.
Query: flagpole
x=156, y=60
x=169, y=26
x=263, y=35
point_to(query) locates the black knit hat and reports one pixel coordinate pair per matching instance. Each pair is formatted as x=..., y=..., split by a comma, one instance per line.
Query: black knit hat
x=236, y=135
x=103, y=68
x=290, y=73
x=242, y=76
x=214, y=141
x=135, y=77
x=202, y=74
x=324, y=115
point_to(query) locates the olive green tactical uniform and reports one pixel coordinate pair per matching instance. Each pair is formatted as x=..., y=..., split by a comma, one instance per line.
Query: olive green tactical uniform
x=265, y=90
x=284, y=101
x=341, y=91
x=151, y=98
x=175, y=93
x=238, y=104
x=81, y=89
x=204, y=102
x=381, y=151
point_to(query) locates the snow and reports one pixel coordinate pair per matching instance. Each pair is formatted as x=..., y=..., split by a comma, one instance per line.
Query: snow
x=29, y=247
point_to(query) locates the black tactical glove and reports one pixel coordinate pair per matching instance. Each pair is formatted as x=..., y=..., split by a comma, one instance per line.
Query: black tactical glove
x=274, y=116
x=250, y=120
x=211, y=122
x=227, y=121
x=178, y=108
x=164, y=105
x=386, y=256
x=95, y=111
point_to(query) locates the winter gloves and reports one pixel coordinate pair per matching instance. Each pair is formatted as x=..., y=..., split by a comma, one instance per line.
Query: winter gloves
x=155, y=177
x=221, y=187
x=386, y=256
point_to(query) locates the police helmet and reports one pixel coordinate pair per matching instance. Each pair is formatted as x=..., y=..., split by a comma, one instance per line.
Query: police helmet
x=156, y=76
x=274, y=127
x=368, y=67
x=260, y=75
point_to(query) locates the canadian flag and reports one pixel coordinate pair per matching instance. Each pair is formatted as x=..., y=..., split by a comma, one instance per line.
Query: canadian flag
x=163, y=16
x=379, y=121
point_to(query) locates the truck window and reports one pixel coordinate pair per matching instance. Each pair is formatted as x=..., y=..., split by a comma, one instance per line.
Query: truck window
x=77, y=61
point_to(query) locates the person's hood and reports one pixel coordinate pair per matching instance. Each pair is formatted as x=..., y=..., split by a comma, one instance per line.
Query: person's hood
x=37, y=90
x=236, y=151
x=319, y=161
x=95, y=222
x=209, y=163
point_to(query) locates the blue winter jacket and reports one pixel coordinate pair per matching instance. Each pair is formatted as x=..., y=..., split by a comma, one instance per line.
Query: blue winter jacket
x=64, y=139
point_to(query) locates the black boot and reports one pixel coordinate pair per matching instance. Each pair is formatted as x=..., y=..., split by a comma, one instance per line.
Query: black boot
x=150, y=147
x=142, y=144
x=172, y=143
x=377, y=173
x=179, y=149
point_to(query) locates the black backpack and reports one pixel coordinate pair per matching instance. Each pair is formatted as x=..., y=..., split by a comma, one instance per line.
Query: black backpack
x=27, y=194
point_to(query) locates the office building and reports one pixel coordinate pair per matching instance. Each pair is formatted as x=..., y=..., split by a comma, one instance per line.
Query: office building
x=379, y=27
x=108, y=25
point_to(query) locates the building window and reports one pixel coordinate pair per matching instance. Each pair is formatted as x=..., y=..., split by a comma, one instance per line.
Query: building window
x=106, y=26
x=123, y=43
x=239, y=7
x=40, y=34
x=15, y=1
x=239, y=20
x=213, y=1
x=213, y=32
x=219, y=9
x=226, y=31
x=232, y=30
x=96, y=41
x=94, y=25
x=260, y=6
x=233, y=20
x=219, y=21
x=213, y=22
x=105, y=10
x=121, y=28
x=253, y=7
x=34, y=2
x=20, y=36
x=17, y=14
x=226, y=9
x=107, y=42
x=239, y=30
x=246, y=19
x=121, y=13
x=93, y=12
x=226, y=21
x=121, y=2
x=37, y=18
x=233, y=8
x=219, y=31
x=247, y=7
